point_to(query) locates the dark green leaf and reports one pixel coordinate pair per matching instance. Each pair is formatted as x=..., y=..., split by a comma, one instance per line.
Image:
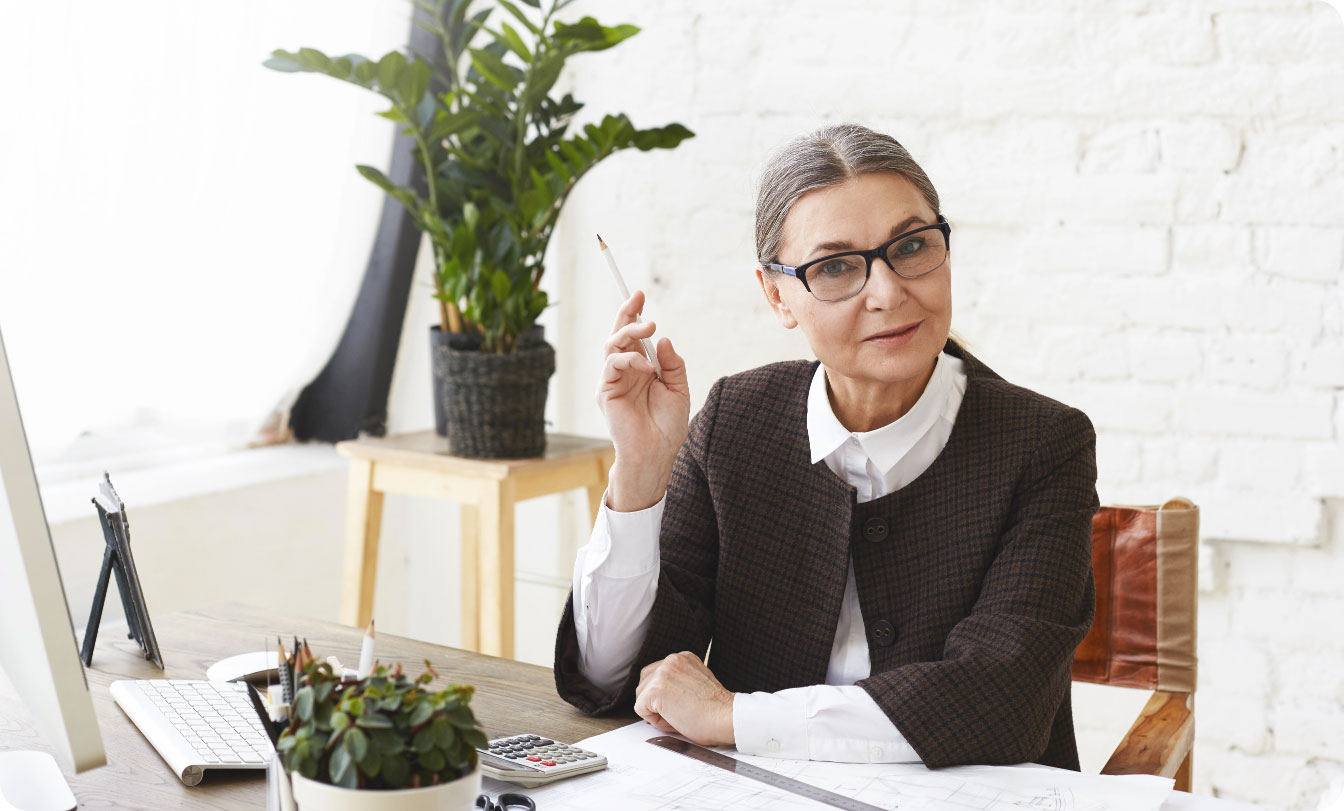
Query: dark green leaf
x=389, y=71
x=423, y=740
x=589, y=35
x=339, y=721
x=395, y=770
x=433, y=760
x=475, y=737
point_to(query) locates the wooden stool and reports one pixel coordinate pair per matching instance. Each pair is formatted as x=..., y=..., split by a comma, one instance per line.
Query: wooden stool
x=419, y=465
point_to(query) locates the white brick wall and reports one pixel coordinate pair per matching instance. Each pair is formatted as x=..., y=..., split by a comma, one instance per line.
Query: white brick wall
x=1148, y=210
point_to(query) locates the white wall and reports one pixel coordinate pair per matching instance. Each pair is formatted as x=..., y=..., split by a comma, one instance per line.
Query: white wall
x=1148, y=222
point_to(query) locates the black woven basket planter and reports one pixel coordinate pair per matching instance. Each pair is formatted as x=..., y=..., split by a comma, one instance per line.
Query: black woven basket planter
x=495, y=404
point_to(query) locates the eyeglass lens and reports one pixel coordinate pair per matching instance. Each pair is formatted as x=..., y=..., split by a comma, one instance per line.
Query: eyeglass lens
x=844, y=275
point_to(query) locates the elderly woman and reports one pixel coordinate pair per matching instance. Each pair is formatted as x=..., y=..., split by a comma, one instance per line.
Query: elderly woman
x=881, y=555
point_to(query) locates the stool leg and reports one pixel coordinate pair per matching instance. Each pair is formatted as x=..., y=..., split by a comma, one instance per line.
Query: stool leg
x=471, y=601
x=363, y=522
x=495, y=564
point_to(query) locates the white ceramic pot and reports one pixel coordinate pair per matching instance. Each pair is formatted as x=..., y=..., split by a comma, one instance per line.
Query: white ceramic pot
x=459, y=795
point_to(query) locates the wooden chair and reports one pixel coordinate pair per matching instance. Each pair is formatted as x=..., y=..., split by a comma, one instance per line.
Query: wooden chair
x=1144, y=561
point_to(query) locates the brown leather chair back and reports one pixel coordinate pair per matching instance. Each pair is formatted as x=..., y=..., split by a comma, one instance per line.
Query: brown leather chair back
x=1145, y=563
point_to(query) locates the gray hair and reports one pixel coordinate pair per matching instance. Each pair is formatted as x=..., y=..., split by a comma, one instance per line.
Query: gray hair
x=823, y=158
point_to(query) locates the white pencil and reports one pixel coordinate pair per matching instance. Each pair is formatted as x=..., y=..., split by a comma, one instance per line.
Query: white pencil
x=366, y=654
x=625, y=294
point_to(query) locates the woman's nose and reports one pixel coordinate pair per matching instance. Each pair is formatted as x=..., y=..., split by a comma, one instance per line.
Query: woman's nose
x=885, y=290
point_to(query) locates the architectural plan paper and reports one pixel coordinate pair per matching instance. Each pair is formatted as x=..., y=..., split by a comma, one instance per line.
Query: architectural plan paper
x=643, y=777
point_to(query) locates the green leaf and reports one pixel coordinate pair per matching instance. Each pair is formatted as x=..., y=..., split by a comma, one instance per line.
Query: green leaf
x=356, y=743
x=452, y=123
x=520, y=16
x=423, y=740
x=510, y=36
x=499, y=285
x=413, y=83
x=339, y=721
x=374, y=721
x=339, y=765
x=313, y=59
x=371, y=762
x=284, y=62
x=494, y=70
x=389, y=71
x=475, y=738
x=421, y=713
x=433, y=760
x=533, y=3
x=589, y=35
x=444, y=734
x=544, y=74
x=303, y=703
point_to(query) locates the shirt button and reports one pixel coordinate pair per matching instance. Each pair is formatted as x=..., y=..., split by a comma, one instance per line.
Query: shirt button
x=875, y=529
x=772, y=745
x=882, y=633
x=877, y=753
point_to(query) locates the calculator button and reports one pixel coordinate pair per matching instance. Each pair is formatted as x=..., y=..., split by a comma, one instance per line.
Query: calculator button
x=548, y=763
x=535, y=759
x=545, y=742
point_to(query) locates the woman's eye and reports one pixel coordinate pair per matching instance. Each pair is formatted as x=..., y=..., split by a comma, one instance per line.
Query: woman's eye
x=910, y=246
x=834, y=267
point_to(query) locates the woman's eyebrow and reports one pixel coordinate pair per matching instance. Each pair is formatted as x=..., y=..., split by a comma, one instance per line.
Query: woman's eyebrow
x=843, y=245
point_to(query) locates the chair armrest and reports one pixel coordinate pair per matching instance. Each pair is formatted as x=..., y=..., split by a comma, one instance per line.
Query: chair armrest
x=1160, y=738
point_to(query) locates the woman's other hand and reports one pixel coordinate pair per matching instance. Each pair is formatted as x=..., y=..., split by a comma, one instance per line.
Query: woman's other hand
x=648, y=418
x=679, y=694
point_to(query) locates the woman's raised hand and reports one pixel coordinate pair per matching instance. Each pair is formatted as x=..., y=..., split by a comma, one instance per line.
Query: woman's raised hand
x=648, y=418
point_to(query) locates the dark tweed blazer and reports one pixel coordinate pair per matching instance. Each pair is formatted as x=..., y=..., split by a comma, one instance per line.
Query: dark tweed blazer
x=975, y=580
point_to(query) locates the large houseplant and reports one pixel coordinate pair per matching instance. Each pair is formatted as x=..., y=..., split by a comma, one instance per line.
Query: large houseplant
x=392, y=740
x=495, y=145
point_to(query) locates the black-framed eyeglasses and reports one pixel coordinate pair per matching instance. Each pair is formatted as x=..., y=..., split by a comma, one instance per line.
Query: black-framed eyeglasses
x=842, y=275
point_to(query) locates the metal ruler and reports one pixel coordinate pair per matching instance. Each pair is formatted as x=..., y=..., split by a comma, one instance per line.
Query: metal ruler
x=766, y=776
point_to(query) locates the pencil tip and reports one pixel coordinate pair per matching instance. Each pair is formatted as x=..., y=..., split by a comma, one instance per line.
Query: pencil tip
x=600, y=243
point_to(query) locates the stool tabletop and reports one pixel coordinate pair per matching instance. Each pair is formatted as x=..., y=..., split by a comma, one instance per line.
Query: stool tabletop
x=426, y=449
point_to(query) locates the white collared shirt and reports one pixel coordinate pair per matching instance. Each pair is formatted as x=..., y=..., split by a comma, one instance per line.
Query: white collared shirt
x=615, y=586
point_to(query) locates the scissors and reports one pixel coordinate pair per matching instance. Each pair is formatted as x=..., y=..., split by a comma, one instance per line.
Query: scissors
x=507, y=802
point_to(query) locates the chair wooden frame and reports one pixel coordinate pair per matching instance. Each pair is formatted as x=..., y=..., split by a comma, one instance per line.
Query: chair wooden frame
x=1145, y=566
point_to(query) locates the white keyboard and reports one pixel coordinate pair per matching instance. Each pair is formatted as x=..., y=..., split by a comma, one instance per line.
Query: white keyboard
x=196, y=725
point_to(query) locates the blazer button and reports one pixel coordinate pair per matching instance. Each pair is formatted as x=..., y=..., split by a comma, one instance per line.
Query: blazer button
x=882, y=633
x=875, y=529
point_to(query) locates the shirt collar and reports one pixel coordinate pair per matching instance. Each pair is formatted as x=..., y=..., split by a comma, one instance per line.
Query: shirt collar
x=886, y=445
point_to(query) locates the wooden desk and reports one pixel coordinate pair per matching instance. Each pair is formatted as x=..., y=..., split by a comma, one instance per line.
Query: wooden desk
x=511, y=697
x=419, y=465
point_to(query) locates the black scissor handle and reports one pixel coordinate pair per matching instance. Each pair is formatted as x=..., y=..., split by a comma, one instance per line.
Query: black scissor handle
x=505, y=803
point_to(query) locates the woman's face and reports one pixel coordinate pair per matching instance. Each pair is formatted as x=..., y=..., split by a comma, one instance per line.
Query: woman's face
x=862, y=213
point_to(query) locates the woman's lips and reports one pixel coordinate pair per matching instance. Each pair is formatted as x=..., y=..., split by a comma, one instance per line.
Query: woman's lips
x=897, y=338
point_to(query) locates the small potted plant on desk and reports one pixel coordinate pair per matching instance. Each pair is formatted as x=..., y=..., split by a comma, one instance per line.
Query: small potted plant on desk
x=493, y=141
x=384, y=742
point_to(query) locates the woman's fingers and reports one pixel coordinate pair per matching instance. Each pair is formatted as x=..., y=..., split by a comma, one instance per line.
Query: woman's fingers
x=622, y=364
x=630, y=310
x=627, y=337
x=673, y=366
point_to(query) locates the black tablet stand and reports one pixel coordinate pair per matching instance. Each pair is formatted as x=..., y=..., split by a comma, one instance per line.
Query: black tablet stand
x=117, y=558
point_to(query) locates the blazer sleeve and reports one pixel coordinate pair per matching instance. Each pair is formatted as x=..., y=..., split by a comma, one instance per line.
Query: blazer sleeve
x=1005, y=669
x=682, y=618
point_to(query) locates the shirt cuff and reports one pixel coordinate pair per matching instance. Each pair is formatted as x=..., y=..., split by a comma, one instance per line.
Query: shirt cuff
x=635, y=553
x=818, y=722
x=766, y=724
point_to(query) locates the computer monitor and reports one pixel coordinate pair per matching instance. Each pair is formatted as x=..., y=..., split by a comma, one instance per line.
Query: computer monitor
x=38, y=650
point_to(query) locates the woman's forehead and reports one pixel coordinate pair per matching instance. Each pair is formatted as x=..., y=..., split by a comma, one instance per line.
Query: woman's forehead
x=860, y=210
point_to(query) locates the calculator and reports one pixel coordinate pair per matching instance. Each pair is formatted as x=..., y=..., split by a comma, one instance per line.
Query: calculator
x=531, y=760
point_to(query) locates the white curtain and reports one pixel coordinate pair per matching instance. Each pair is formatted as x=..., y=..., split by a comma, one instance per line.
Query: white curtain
x=182, y=231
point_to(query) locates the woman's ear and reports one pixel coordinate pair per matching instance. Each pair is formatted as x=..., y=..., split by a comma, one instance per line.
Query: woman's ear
x=770, y=286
